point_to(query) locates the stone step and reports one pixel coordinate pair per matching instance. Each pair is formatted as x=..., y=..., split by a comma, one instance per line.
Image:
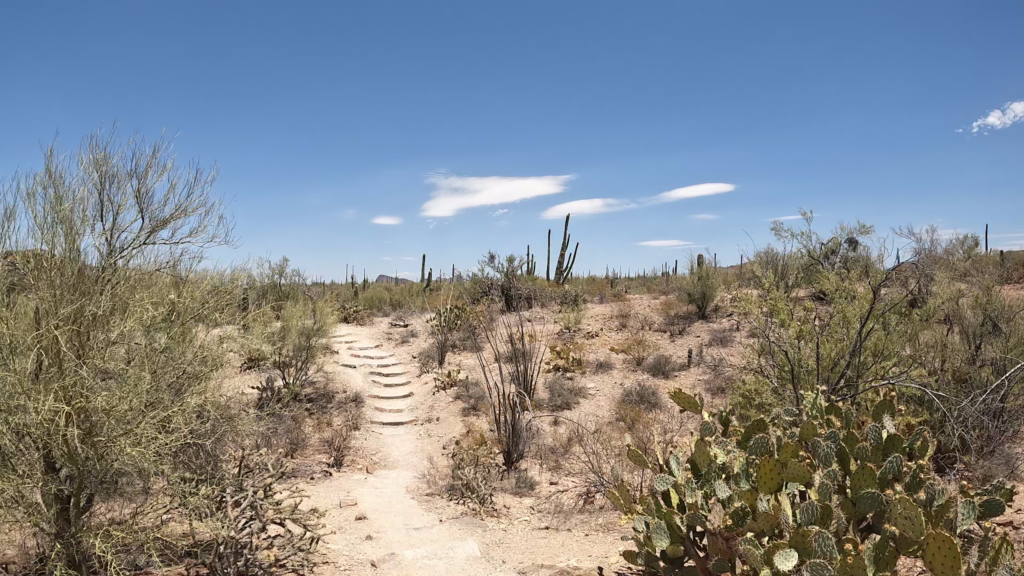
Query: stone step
x=388, y=374
x=347, y=365
x=391, y=409
x=390, y=383
x=372, y=356
x=389, y=394
x=361, y=348
x=381, y=364
x=345, y=335
x=392, y=419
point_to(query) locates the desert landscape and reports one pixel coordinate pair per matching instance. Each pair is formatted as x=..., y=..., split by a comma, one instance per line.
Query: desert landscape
x=824, y=406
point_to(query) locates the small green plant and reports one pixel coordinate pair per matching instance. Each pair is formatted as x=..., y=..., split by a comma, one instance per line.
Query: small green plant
x=823, y=491
x=445, y=380
x=565, y=358
x=640, y=397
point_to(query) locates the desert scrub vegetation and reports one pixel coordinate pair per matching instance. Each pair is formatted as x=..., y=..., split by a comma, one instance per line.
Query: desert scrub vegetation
x=661, y=366
x=638, y=346
x=828, y=489
x=563, y=394
x=106, y=378
x=941, y=330
x=700, y=287
x=445, y=327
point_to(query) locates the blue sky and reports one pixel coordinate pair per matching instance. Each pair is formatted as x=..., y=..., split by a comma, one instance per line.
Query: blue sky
x=325, y=116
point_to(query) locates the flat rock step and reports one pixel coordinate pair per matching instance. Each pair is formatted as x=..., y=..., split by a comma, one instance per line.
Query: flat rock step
x=336, y=336
x=392, y=420
x=390, y=394
x=391, y=384
x=392, y=374
x=371, y=356
x=395, y=410
x=359, y=348
x=382, y=364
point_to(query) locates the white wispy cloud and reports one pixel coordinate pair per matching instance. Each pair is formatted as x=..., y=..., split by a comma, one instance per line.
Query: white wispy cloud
x=453, y=194
x=499, y=212
x=791, y=217
x=408, y=258
x=588, y=206
x=664, y=243
x=387, y=220
x=704, y=217
x=694, y=191
x=998, y=119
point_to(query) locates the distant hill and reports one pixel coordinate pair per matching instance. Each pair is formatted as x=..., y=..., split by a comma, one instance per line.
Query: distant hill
x=385, y=279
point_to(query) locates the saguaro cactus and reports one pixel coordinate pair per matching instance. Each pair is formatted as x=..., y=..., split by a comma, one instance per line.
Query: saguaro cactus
x=423, y=269
x=547, y=273
x=563, y=268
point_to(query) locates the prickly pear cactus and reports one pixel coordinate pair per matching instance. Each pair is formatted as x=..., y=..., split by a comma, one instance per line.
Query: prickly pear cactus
x=830, y=491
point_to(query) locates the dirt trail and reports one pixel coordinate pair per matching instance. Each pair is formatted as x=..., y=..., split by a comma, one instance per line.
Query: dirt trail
x=373, y=524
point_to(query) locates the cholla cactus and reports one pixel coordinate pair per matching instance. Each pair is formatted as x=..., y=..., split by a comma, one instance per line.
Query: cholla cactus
x=826, y=492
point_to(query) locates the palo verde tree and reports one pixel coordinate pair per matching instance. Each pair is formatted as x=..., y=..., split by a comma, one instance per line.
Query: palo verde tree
x=104, y=365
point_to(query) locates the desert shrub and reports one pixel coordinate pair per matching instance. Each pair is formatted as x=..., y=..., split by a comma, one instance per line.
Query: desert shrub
x=721, y=337
x=676, y=318
x=282, y=429
x=270, y=284
x=777, y=268
x=510, y=376
x=445, y=380
x=563, y=393
x=848, y=495
x=571, y=299
x=638, y=346
x=622, y=314
x=639, y=397
x=351, y=313
x=700, y=287
x=472, y=475
x=502, y=280
x=518, y=483
x=295, y=346
x=106, y=373
x=644, y=321
x=661, y=366
x=250, y=521
x=445, y=326
x=565, y=358
x=472, y=394
x=338, y=438
x=408, y=336
x=603, y=366
x=426, y=359
x=850, y=336
x=571, y=320
x=973, y=360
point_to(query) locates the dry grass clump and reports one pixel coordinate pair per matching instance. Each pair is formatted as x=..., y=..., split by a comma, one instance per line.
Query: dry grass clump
x=349, y=420
x=638, y=346
x=426, y=360
x=662, y=366
x=563, y=394
x=622, y=315
x=602, y=366
x=721, y=337
x=639, y=397
x=472, y=475
x=473, y=395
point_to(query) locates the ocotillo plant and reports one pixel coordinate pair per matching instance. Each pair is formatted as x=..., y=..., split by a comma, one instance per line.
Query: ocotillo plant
x=563, y=269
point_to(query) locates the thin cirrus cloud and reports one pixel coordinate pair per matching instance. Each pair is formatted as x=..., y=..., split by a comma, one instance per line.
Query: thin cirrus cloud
x=664, y=243
x=704, y=217
x=997, y=119
x=453, y=194
x=694, y=191
x=791, y=217
x=387, y=220
x=602, y=205
x=588, y=206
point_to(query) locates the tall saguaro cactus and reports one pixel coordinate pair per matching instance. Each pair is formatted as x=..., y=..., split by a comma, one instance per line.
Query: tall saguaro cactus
x=423, y=270
x=531, y=262
x=563, y=268
x=547, y=273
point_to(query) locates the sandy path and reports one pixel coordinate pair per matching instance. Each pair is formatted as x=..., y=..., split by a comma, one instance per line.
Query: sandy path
x=373, y=524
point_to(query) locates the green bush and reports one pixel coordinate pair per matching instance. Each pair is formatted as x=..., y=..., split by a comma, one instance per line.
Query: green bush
x=700, y=287
x=826, y=490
